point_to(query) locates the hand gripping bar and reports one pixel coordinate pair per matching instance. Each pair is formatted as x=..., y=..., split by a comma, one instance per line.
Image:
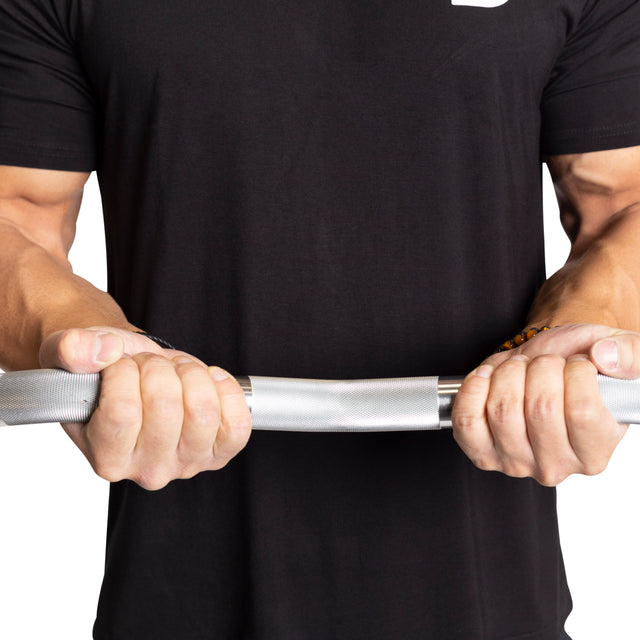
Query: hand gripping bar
x=287, y=404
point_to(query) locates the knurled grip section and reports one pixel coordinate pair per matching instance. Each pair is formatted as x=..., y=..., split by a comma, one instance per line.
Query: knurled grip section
x=387, y=404
x=47, y=395
x=622, y=398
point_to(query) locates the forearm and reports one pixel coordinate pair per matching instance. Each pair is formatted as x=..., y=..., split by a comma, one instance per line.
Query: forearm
x=600, y=284
x=40, y=295
x=536, y=411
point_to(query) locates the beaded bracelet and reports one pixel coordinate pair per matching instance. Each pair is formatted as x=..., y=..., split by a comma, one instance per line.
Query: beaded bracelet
x=521, y=338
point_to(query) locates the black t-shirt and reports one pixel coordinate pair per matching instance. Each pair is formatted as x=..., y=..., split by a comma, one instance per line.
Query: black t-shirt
x=331, y=189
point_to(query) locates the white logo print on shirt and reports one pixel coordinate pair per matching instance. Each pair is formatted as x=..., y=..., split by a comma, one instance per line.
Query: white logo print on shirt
x=489, y=4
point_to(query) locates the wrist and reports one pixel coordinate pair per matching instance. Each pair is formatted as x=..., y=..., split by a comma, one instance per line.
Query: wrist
x=594, y=288
x=520, y=338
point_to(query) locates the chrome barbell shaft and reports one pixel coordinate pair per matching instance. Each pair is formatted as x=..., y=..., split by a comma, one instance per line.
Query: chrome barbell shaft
x=287, y=404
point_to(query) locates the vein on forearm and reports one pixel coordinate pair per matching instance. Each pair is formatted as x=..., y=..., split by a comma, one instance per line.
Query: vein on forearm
x=40, y=295
x=600, y=283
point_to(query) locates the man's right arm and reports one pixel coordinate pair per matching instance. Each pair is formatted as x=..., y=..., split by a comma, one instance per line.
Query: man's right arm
x=162, y=414
x=39, y=293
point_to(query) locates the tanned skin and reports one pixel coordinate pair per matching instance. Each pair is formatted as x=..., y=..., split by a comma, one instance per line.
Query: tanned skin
x=534, y=411
x=162, y=414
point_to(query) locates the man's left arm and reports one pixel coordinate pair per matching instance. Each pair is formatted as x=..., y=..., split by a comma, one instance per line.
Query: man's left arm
x=536, y=411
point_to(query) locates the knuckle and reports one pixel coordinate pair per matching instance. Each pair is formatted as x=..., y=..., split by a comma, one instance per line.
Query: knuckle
x=238, y=427
x=595, y=468
x=152, y=479
x=192, y=469
x=227, y=447
x=110, y=448
x=516, y=469
x=123, y=411
x=151, y=361
x=201, y=406
x=186, y=364
x=517, y=360
x=155, y=367
x=232, y=390
x=202, y=414
x=548, y=479
x=161, y=387
x=579, y=413
x=153, y=485
x=463, y=422
x=585, y=366
x=161, y=442
x=220, y=462
x=549, y=360
x=552, y=475
x=222, y=454
x=164, y=404
x=503, y=410
x=108, y=471
x=483, y=459
x=543, y=408
x=497, y=359
x=484, y=462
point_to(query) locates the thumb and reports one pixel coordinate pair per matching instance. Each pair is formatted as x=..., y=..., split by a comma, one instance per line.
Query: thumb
x=618, y=356
x=81, y=350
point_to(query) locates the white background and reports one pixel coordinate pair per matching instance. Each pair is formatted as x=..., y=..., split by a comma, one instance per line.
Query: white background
x=52, y=529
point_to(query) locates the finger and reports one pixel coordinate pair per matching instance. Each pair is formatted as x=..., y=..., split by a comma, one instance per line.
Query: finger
x=110, y=437
x=545, y=416
x=201, y=416
x=618, y=356
x=470, y=428
x=566, y=340
x=81, y=350
x=235, y=417
x=592, y=430
x=162, y=405
x=505, y=415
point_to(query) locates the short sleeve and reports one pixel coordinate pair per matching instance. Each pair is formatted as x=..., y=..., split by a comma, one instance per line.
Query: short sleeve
x=47, y=117
x=592, y=100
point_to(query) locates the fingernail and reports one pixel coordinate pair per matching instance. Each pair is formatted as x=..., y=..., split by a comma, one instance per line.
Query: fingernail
x=606, y=354
x=218, y=373
x=108, y=348
x=484, y=371
x=182, y=360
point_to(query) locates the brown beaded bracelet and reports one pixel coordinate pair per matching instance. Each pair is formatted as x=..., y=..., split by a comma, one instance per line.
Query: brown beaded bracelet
x=521, y=338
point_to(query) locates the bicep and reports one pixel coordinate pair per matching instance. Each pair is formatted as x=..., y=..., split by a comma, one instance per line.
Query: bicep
x=592, y=189
x=43, y=205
